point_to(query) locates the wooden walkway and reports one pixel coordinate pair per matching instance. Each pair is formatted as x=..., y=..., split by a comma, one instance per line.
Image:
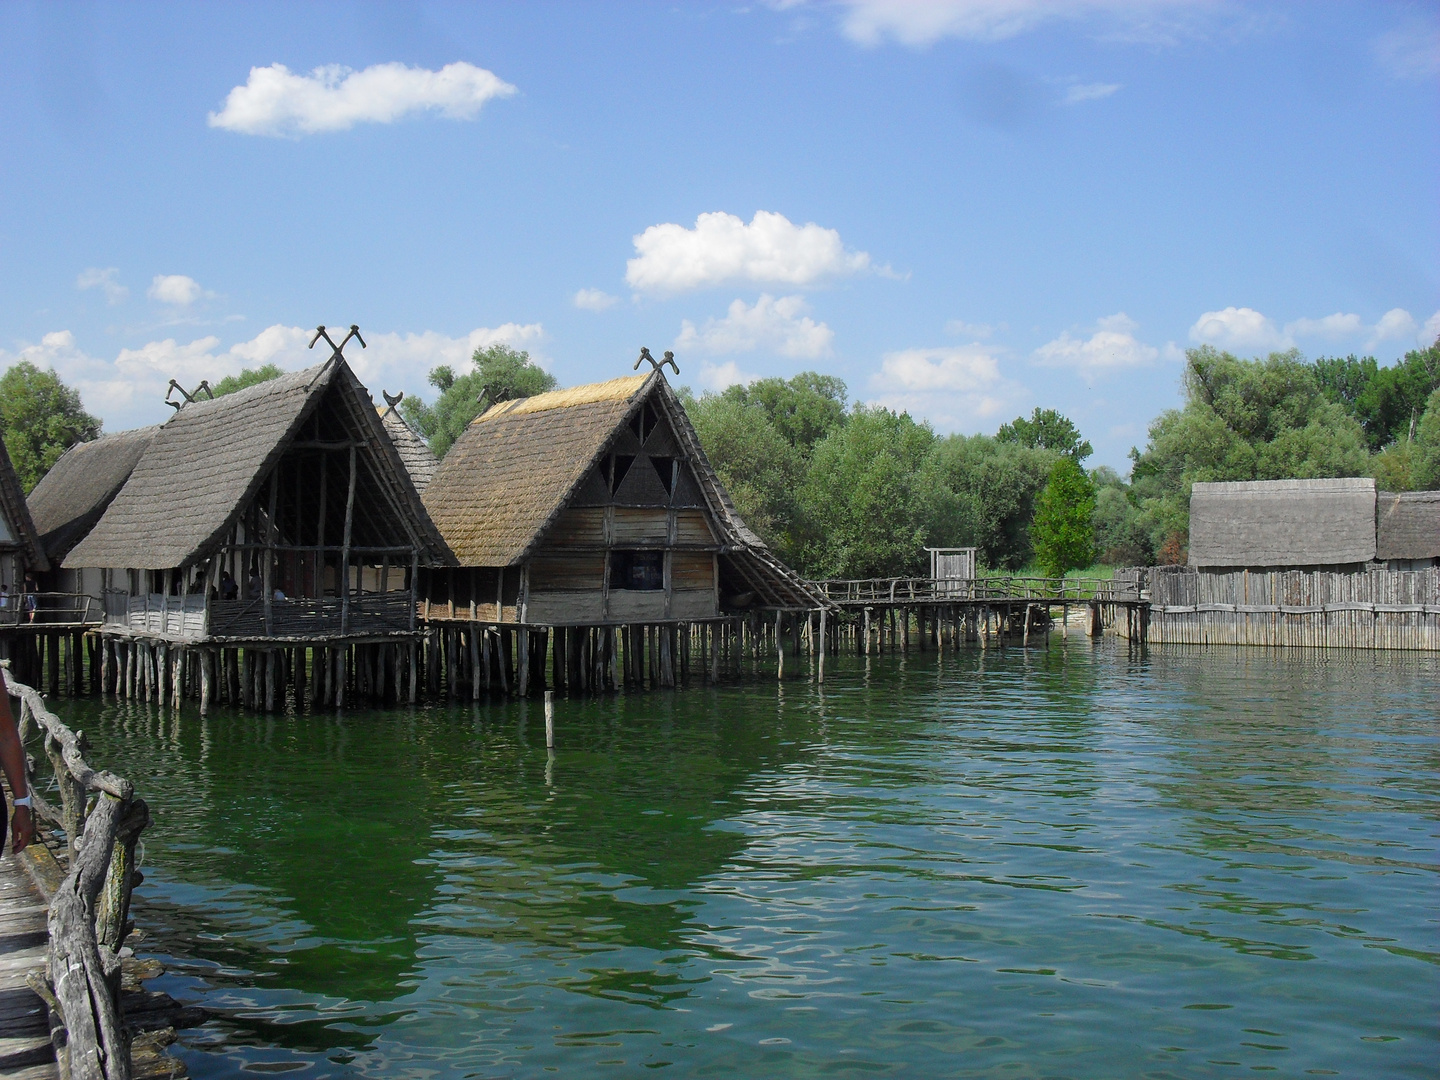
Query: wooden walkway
x=25, y=1049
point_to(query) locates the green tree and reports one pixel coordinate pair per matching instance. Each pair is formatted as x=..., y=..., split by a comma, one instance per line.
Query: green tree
x=247, y=377
x=759, y=468
x=1064, y=528
x=871, y=496
x=1046, y=430
x=1386, y=401
x=803, y=410
x=993, y=486
x=40, y=418
x=1121, y=538
x=501, y=373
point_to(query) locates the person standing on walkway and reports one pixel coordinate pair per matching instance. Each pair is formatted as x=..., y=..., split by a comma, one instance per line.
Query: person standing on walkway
x=12, y=760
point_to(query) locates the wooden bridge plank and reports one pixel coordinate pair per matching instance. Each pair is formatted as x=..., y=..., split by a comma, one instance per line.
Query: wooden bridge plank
x=25, y=1050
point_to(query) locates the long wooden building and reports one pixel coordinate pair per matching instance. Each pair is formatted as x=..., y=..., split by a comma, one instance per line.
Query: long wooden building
x=587, y=512
x=273, y=520
x=1326, y=562
x=22, y=559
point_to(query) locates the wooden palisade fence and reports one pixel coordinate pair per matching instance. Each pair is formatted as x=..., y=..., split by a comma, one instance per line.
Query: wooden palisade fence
x=89, y=915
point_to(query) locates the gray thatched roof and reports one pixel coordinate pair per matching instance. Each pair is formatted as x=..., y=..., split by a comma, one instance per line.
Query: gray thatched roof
x=1408, y=525
x=1282, y=522
x=70, y=498
x=420, y=461
x=208, y=461
x=19, y=526
x=519, y=464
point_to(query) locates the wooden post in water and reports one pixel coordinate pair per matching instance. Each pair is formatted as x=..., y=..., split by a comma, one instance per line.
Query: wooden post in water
x=204, y=681
x=820, y=659
x=549, y=719
x=779, y=649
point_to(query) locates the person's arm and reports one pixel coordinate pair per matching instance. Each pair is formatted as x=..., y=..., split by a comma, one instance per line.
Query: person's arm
x=12, y=760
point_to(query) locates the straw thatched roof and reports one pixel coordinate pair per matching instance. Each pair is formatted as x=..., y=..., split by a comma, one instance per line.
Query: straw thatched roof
x=420, y=461
x=70, y=498
x=1408, y=525
x=520, y=463
x=205, y=465
x=1282, y=522
x=19, y=529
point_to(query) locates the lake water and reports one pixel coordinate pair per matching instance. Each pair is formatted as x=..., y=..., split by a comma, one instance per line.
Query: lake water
x=1071, y=862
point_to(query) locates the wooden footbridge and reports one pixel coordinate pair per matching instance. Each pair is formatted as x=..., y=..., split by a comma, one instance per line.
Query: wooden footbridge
x=72, y=1003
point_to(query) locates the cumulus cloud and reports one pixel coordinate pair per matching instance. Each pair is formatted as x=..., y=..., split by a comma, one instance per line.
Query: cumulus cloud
x=1411, y=53
x=1089, y=92
x=594, y=299
x=277, y=102
x=722, y=248
x=954, y=387
x=924, y=22
x=106, y=280
x=1238, y=328
x=780, y=326
x=1112, y=346
x=175, y=289
x=1431, y=330
x=719, y=376
x=130, y=389
x=1339, y=325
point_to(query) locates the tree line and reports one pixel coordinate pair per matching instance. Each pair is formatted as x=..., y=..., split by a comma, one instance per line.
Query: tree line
x=847, y=489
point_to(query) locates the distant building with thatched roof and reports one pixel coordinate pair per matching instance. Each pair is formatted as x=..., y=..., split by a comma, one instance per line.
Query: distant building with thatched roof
x=21, y=552
x=1324, y=562
x=279, y=515
x=595, y=507
x=420, y=461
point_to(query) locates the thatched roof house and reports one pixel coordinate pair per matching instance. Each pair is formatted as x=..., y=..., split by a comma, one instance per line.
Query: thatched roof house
x=1290, y=523
x=602, y=506
x=293, y=488
x=420, y=461
x=1408, y=525
x=20, y=548
x=70, y=498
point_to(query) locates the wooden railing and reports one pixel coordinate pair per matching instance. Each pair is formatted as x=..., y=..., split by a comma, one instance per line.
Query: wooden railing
x=89, y=915
x=859, y=592
x=49, y=609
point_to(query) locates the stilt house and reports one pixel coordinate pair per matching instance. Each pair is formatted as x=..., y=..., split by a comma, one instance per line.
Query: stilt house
x=420, y=461
x=595, y=506
x=1304, y=562
x=280, y=514
x=20, y=550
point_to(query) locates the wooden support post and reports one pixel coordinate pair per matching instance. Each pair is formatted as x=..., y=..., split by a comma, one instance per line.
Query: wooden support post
x=345, y=548
x=779, y=648
x=206, y=658
x=820, y=665
x=549, y=719
x=475, y=660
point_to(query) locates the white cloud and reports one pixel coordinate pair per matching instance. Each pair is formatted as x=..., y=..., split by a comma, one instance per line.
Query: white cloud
x=722, y=248
x=1089, y=92
x=1238, y=328
x=1431, y=330
x=130, y=390
x=780, y=326
x=276, y=101
x=955, y=387
x=719, y=376
x=924, y=22
x=1397, y=324
x=1112, y=346
x=594, y=299
x=175, y=289
x=105, y=280
x=1339, y=325
x=1411, y=52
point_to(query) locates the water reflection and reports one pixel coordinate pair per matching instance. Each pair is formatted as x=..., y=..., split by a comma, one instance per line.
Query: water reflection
x=1067, y=861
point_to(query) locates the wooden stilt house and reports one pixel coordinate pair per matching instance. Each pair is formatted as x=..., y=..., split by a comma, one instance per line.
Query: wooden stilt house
x=279, y=517
x=21, y=555
x=594, y=508
x=1303, y=562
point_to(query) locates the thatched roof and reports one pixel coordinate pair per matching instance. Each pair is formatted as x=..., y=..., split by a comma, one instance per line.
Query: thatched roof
x=1282, y=522
x=70, y=498
x=18, y=528
x=420, y=461
x=1408, y=525
x=208, y=461
x=509, y=475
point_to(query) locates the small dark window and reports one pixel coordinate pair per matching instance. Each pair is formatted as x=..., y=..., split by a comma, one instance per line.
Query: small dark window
x=666, y=468
x=615, y=470
x=644, y=422
x=639, y=571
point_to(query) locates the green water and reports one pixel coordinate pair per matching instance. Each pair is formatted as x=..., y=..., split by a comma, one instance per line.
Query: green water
x=1071, y=863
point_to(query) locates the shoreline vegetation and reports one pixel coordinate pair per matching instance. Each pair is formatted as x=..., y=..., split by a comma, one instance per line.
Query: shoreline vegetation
x=843, y=489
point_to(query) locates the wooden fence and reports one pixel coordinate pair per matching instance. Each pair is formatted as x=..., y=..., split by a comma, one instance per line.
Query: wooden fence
x=1367, y=609
x=89, y=914
x=861, y=592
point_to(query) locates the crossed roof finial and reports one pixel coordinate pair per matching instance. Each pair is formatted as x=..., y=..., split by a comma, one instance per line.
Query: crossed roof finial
x=337, y=350
x=189, y=396
x=656, y=365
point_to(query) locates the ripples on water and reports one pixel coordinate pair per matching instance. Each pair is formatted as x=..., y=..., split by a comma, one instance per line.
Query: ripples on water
x=1067, y=863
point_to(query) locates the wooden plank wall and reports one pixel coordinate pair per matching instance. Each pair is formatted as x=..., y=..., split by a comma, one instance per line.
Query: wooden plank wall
x=1368, y=609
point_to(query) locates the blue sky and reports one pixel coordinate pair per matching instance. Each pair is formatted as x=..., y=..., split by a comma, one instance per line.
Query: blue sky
x=964, y=208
